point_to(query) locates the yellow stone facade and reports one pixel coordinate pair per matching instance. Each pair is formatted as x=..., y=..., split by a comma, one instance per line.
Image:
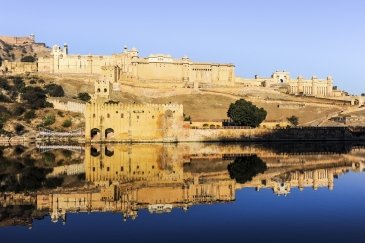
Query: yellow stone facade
x=297, y=86
x=18, y=67
x=106, y=120
x=128, y=66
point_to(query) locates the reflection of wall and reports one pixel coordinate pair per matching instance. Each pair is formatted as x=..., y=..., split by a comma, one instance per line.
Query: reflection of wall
x=161, y=177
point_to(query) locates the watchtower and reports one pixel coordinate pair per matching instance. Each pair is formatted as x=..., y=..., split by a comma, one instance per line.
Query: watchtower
x=103, y=89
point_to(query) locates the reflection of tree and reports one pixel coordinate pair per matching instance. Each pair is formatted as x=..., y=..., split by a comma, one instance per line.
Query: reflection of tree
x=243, y=169
x=21, y=174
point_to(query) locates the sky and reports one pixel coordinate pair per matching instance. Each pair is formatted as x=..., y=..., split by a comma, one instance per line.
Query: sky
x=304, y=37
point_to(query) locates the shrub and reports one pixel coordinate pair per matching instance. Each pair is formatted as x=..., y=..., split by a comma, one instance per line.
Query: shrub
x=67, y=123
x=4, y=98
x=18, y=110
x=244, y=113
x=293, y=120
x=4, y=116
x=27, y=59
x=4, y=84
x=54, y=90
x=19, y=84
x=84, y=97
x=29, y=114
x=19, y=128
x=49, y=120
x=35, y=97
x=49, y=158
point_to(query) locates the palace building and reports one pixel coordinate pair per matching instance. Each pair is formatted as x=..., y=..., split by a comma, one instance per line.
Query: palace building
x=128, y=66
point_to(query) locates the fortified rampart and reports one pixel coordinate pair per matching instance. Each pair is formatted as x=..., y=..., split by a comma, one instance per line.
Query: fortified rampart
x=66, y=104
x=18, y=40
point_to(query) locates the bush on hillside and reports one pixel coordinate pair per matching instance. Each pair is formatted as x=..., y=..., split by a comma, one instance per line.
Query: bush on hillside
x=49, y=120
x=29, y=114
x=54, y=90
x=34, y=97
x=244, y=113
x=84, y=96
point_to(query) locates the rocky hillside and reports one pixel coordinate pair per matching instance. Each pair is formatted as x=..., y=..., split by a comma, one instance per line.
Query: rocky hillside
x=15, y=53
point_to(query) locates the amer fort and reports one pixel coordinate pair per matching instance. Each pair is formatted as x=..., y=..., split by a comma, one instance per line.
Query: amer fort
x=161, y=178
x=109, y=120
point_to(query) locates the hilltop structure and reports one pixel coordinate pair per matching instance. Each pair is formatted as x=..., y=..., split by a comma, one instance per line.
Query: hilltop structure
x=128, y=66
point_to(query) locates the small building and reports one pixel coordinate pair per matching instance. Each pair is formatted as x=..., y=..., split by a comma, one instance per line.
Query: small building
x=106, y=120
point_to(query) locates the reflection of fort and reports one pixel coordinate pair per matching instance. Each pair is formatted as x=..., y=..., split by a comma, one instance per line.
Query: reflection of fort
x=160, y=177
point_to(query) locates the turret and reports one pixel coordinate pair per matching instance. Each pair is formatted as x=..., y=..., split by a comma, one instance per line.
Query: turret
x=103, y=89
x=65, y=49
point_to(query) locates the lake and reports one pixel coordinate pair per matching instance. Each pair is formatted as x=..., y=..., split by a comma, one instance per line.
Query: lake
x=186, y=192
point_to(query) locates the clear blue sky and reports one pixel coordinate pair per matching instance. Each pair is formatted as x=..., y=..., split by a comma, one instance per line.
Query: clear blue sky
x=305, y=37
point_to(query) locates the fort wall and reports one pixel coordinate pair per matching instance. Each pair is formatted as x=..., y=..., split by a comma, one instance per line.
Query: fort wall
x=66, y=104
x=18, y=40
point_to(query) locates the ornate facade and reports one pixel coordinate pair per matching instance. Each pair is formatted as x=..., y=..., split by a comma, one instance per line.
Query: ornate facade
x=298, y=86
x=128, y=66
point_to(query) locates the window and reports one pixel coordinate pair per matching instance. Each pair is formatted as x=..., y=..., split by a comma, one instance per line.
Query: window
x=105, y=90
x=122, y=115
x=108, y=115
x=94, y=115
x=98, y=90
x=107, y=168
x=121, y=168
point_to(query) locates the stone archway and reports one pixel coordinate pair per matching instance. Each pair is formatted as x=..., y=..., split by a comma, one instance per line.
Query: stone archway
x=95, y=134
x=109, y=133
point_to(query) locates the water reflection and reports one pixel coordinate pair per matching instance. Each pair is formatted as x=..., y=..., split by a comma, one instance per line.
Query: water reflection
x=126, y=178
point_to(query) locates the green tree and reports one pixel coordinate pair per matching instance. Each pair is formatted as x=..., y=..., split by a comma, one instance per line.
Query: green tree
x=84, y=96
x=19, y=84
x=243, y=169
x=29, y=114
x=49, y=120
x=54, y=90
x=35, y=97
x=294, y=120
x=67, y=123
x=27, y=59
x=244, y=113
x=4, y=84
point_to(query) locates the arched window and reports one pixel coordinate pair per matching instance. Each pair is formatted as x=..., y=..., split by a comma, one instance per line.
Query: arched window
x=105, y=90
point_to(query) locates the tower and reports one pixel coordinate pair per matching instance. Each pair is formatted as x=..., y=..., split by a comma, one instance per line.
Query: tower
x=65, y=49
x=103, y=89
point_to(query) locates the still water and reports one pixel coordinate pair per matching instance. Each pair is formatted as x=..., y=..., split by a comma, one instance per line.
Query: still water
x=268, y=192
